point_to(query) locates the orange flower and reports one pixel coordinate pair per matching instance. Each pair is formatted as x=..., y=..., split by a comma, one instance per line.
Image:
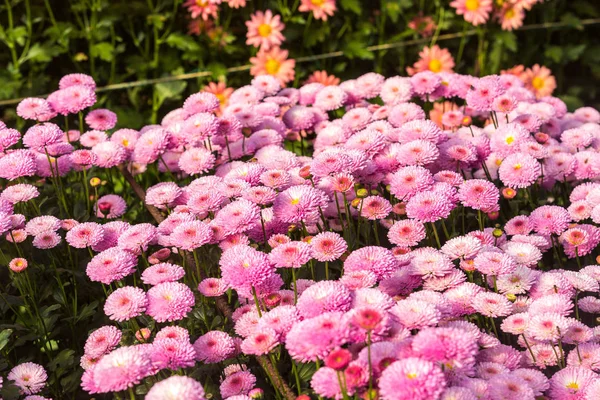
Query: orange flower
x=517, y=70
x=220, y=90
x=273, y=62
x=433, y=59
x=539, y=80
x=511, y=16
x=322, y=78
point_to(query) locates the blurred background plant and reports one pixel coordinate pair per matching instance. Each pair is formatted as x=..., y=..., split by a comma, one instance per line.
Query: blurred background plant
x=221, y=41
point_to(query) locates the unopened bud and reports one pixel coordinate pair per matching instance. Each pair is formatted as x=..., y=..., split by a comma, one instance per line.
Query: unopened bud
x=305, y=172
x=355, y=203
x=509, y=193
x=494, y=215
x=497, y=233
x=95, y=182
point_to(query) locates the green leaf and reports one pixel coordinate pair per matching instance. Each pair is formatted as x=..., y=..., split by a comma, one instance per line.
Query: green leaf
x=573, y=53
x=4, y=337
x=572, y=21
x=103, y=50
x=351, y=5
x=169, y=90
x=182, y=42
x=63, y=360
x=508, y=39
x=356, y=49
x=18, y=35
x=555, y=53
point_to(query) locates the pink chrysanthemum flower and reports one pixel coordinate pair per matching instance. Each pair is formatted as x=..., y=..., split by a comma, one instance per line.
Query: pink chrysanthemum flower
x=328, y=331
x=169, y=301
x=461, y=247
x=237, y=385
x=76, y=79
x=172, y=353
x=411, y=379
x=260, y=342
x=508, y=386
x=378, y=260
x=547, y=327
x=72, y=99
x=101, y=119
x=428, y=206
x=238, y=216
x=212, y=287
x=35, y=109
x=17, y=164
x=407, y=233
x=375, y=207
x=264, y=30
x=176, y=387
x=191, y=235
x=164, y=194
x=410, y=181
x=494, y=263
x=519, y=170
x=84, y=235
x=416, y=314
x=328, y=246
x=549, y=220
x=92, y=138
x=125, y=303
x=434, y=59
x=244, y=267
x=162, y=272
x=103, y=340
x=41, y=224
x=202, y=102
x=46, y=240
x=196, y=160
x=214, y=347
x=40, y=136
x=571, y=383
x=111, y=265
x=137, y=238
x=425, y=82
x=29, y=377
x=492, y=305
x=300, y=203
x=202, y=8
x=8, y=137
x=110, y=206
x=120, y=369
x=291, y=255
x=476, y=12
x=324, y=296
x=19, y=193
x=479, y=194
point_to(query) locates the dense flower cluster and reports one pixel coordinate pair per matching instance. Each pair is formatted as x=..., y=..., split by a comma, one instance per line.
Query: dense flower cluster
x=341, y=231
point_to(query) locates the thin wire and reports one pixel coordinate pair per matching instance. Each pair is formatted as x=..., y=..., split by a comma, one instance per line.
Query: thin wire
x=324, y=56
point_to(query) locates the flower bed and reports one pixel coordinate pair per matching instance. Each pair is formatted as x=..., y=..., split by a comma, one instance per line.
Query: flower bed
x=431, y=237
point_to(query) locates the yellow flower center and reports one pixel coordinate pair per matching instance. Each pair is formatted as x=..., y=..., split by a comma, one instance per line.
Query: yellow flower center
x=517, y=166
x=472, y=5
x=510, y=139
x=317, y=2
x=201, y=3
x=295, y=201
x=272, y=66
x=125, y=142
x=221, y=98
x=411, y=375
x=498, y=162
x=509, y=14
x=19, y=263
x=573, y=385
x=435, y=65
x=537, y=82
x=264, y=30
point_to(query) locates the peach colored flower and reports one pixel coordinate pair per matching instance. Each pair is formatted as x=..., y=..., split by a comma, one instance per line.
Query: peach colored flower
x=511, y=16
x=475, y=11
x=322, y=78
x=424, y=26
x=517, y=70
x=321, y=9
x=204, y=8
x=264, y=30
x=273, y=62
x=433, y=59
x=220, y=90
x=539, y=80
x=236, y=3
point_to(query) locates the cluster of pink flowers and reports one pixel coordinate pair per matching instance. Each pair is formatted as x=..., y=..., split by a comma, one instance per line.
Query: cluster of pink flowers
x=405, y=258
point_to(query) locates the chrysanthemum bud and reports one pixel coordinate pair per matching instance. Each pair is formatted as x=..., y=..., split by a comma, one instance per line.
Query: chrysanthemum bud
x=497, y=232
x=511, y=297
x=494, y=215
x=143, y=334
x=362, y=193
x=273, y=300
x=338, y=359
x=256, y=393
x=541, y=137
x=305, y=172
x=18, y=265
x=355, y=203
x=509, y=193
x=399, y=208
x=95, y=182
x=467, y=120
